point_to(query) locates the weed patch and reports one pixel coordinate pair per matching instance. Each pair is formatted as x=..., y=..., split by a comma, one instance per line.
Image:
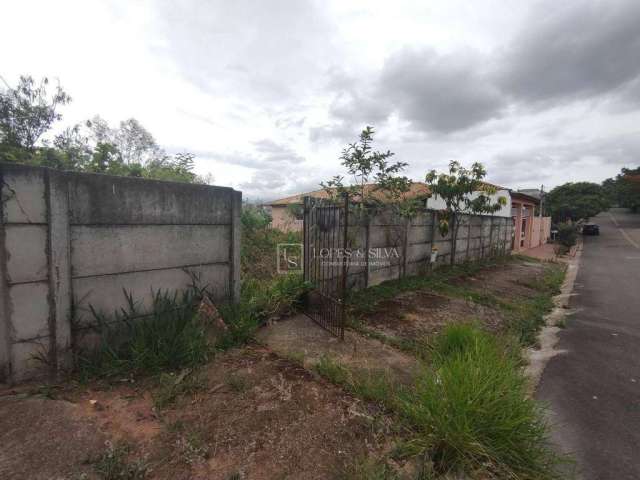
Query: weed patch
x=113, y=464
x=173, y=386
x=167, y=337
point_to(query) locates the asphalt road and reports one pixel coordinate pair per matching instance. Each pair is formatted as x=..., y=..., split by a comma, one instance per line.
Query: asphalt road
x=593, y=387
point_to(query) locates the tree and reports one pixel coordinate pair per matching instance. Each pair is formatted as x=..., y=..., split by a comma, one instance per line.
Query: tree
x=575, y=201
x=27, y=111
x=376, y=180
x=624, y=189
x=463, y=191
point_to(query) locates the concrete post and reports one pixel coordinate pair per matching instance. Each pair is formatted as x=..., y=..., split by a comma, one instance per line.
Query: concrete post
x=59, y=269
x=5, y=340
x=234, y=246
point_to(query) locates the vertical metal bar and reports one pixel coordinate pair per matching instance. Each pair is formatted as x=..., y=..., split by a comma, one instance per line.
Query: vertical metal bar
x=344, y=266
x=305, y=240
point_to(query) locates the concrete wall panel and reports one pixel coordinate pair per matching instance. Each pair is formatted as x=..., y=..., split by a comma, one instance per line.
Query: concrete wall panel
x=106, y=293
x=23, y=195
x=29, y=310
x=26, y=247
x=102, y=199
x=127, y=248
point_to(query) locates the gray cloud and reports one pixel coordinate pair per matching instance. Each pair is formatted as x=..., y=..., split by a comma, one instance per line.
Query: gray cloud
x=439, y=93
x=574, y=51
x=262, y=51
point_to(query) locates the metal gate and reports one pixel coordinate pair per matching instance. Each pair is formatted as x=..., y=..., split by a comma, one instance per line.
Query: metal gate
x=325, y=261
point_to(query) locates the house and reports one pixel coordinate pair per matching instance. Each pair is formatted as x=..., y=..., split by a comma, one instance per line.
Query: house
x=287, y=213
x=530, y=229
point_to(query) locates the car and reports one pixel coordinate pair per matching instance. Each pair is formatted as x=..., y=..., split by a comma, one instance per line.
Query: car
x=590, y=229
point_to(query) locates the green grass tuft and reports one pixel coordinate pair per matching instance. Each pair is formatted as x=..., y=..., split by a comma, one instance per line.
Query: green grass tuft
x=471, y=412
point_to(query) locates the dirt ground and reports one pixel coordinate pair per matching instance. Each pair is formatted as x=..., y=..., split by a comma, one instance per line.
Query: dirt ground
x=421, y=313
x=253, y=415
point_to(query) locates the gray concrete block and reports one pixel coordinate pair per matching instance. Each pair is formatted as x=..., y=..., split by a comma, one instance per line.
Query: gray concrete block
x=380, y=236
x=376, y=277
x=26, y=247
x=29, y=310
x=419, y=251
x=419, y=234
x=104, y=199
x=26, y=359
x=23, y=194
x=105, y=293
x=99, y=250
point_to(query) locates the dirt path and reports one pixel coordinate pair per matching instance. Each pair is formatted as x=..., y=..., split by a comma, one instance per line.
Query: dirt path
x=300, y=338
x=250, y=414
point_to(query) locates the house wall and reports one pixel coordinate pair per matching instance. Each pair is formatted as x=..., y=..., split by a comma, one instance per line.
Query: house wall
x=282, y=219
x=71, y=239
x=436, y=203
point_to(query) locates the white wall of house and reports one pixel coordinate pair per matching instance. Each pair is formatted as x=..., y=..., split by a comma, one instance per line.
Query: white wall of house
x=437, y=203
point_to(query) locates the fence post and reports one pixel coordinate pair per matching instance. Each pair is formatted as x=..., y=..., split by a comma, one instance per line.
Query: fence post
x=405, y=247
x=59, y=269
x=491, y=250
x=469, y=218
x=234, y=248
x=367, y=232
x=433, y=236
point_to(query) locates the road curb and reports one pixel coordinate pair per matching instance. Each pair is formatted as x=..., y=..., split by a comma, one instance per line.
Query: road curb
x=547, y=339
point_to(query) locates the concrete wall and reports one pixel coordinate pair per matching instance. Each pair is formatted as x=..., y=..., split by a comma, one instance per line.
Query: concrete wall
x=397, y=247
x=70, y=240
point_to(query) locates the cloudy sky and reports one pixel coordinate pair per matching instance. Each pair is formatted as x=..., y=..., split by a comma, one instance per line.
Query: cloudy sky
x=266, y=93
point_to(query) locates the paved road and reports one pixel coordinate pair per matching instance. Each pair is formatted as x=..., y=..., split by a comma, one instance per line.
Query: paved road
x=593, y=388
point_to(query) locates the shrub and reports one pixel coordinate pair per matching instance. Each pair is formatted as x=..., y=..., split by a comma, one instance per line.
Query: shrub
x=470, y=410
x=567, y=234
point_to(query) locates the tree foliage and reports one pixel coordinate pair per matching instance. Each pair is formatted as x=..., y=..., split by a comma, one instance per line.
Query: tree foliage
x=375, y=179
x=624, y=189
x=575, y=201
x=28, y=112
x=463, y=191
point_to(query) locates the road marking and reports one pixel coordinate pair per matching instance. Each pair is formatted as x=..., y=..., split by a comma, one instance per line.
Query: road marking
x=624, y=234
x=629, y=239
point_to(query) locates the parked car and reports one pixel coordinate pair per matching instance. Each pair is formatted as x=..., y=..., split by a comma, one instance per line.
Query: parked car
x=590, y=229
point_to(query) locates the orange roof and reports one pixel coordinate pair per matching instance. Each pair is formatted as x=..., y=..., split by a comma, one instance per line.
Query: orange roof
x=418, y=189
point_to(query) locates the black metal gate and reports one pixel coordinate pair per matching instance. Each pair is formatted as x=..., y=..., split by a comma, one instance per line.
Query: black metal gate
x=325, y=261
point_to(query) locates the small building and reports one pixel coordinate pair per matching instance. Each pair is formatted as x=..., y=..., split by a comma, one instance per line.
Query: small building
x=531, y=229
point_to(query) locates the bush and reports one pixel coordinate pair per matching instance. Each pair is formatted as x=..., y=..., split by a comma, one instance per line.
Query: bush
x=470, y=410
x=567, y=234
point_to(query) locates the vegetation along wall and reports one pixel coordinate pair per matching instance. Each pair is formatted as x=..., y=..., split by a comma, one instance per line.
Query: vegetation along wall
x=71, y=241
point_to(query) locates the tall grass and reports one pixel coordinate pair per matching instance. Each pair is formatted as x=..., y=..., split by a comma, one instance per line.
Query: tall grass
x=169, y=335
x=166, y=336
x=466, y=412
x=471, y=413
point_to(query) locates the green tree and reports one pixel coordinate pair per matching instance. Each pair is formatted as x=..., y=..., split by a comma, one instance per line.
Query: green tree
x=624, y=189
x=28, y=111
x=575, y=201
x=375, y=179
x=463, y=191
